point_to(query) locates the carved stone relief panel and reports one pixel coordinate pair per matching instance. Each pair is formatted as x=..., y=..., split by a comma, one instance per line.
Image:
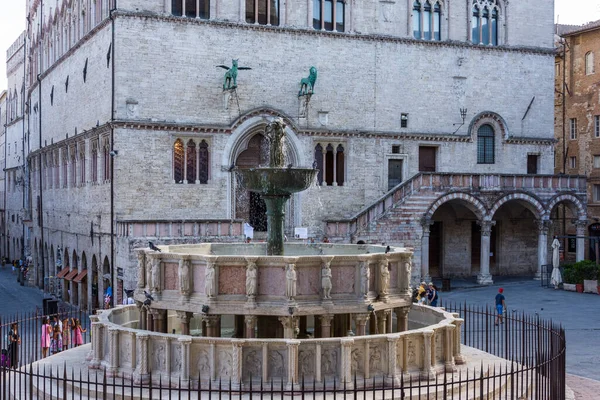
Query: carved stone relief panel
x=224, y=362
x=159, y=352
x=377, y=359
x=125, y=350
x=200, y=361
x=439, y=345
x=175, y=357
x=357, y=359
x=306, y=361
x=329, y=361
x=252, y=362
x=276, y=363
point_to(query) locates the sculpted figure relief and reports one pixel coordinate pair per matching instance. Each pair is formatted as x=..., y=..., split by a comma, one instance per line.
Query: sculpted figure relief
x=156, y=274
x=326, y=280
x=141, y=273
x=365, y=275
x=251, y=279
x=291, y=282
x=184, y=276
x=385, y=277
x=209, y=280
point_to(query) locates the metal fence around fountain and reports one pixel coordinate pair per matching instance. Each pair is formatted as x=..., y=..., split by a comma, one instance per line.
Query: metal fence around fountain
x=533, y=350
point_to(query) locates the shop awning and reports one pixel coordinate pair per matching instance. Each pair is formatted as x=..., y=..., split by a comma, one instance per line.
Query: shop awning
x=63, y=272
x=72, y=275
x=81, y=276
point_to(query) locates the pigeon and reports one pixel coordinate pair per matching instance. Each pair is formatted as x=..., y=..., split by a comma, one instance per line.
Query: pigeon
x=153, y=247
x=147, y=302
x=148, y=296
x=387, y=249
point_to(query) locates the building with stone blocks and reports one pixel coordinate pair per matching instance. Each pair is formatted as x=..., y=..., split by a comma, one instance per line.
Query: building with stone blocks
x=3, y=123
x=15, y=235
x=423, y=121
x=577, y=118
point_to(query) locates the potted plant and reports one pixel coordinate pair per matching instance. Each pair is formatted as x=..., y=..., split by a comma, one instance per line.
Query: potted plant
x=587, y=276
x=569, y=278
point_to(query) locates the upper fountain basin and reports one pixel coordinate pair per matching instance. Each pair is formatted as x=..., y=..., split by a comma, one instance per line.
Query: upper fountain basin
x=276, y=181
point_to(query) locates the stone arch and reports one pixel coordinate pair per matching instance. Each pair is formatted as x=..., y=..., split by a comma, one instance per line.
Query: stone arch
x=528, y=201
x=95, y=284
x=242, y=131
x=573, y=202
x=75, y=260
x=471, y=202
x=488, y=118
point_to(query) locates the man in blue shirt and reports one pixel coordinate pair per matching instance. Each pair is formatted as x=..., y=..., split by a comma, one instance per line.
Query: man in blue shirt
x=500, y=305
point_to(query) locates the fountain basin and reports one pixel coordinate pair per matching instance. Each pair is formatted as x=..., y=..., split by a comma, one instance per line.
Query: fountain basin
x=276, y=181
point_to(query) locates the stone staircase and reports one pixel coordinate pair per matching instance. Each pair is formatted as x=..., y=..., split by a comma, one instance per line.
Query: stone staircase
x=396, y=216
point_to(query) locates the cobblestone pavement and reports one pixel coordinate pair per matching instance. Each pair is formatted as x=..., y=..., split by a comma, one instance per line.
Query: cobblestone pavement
x=15, y=298
x=583, y=388
x=577, y=312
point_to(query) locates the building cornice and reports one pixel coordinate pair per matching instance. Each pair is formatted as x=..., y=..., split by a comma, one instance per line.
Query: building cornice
x=531, y=140
x=341, y=35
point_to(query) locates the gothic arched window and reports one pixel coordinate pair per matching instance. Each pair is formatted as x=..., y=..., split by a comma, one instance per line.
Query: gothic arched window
x=319, y=162
x=191, y=172
x=589, y=63
x=262, y=12
x=329, y=15
x=330, y=160
x=203, y=162
x=339, y=162
x=484, y=22
x=178, y=159
x=485, y=144
x=416, y=19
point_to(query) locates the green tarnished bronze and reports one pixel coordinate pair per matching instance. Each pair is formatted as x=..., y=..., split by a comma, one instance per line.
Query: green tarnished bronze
x=230, y=79
x=307, y=85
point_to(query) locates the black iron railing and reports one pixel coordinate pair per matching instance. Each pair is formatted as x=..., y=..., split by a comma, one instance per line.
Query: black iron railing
x=532, y=367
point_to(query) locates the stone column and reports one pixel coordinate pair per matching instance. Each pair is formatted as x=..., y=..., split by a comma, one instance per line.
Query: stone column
x=212, y=325
x=361, y=324
x=458, y=357
x=382, y=321
x=143, y=316
x=250, y=322
x=449, y=349
x=141, y=270
x=113, y=345
x=292, y=367
x=581, y=225
x=185, y=343
x=484, y=277
x=543, y=226
x=97, y=342
x=142, y=374
x=289, y=326
x=389, y=321
x=404, y=271
x=160, y=321
x=236, y=367
x=346, y=364
x=426, y=224
x=150, y=320
x=402, y=315
x=325, y=325
x=392, y=357
x=427, y=372
x=184, y=319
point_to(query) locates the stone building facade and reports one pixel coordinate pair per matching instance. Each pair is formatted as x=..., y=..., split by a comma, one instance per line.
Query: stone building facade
x=577, y=117
x=132, y=134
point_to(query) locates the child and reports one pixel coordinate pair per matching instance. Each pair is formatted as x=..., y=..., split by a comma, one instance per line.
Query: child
x=45, y=340
x=56, y=339
x=66, y=334
x=78, y=338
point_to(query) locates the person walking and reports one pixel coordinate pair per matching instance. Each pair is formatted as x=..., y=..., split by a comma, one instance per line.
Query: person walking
x=77, y=335
x=500, y=306
x=14, y=340
x=45, y=340
x=432, y=295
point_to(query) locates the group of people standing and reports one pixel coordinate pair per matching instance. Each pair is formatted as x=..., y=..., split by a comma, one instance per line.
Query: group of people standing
x=427, y=294
x=58, y=335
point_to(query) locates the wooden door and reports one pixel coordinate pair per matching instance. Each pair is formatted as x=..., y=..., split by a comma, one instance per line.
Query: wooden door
x=427, y=158
x=532, y=164
x=394, y=173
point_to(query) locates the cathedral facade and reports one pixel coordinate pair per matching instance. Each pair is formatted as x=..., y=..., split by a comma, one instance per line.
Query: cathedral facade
x=431, y=123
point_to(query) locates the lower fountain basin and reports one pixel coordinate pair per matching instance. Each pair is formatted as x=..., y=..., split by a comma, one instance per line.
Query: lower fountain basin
x=276, y=181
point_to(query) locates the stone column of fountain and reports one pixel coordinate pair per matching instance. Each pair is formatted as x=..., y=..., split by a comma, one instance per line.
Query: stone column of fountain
x=276, y=184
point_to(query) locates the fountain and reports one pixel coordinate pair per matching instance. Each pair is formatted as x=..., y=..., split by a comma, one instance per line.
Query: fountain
x=276, y=184
x=274, y=311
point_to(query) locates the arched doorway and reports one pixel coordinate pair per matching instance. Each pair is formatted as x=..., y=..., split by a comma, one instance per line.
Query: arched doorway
x=83, y=284
x=249, y=206
x=106, y=278
x=517, y=240
x=455, y=240
x=96, y=293
x=74, y=285
x=569, y=224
